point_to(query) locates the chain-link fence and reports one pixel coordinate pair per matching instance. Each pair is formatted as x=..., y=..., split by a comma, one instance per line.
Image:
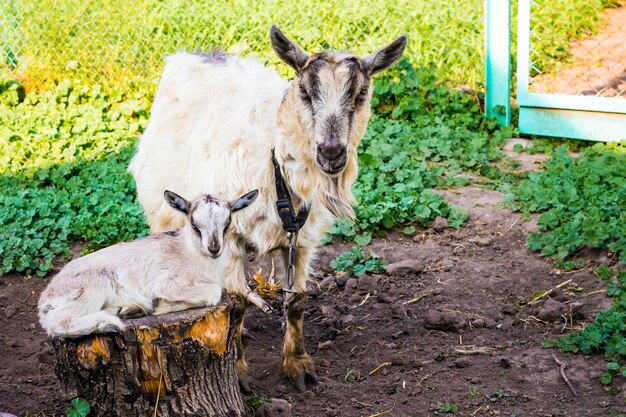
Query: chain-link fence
x=119, y=43
x=578, y=46
x=592, y=63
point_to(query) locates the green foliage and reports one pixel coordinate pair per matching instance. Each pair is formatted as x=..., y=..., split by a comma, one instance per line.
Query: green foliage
x=256, y=401
x=80, y=408
x=583, y=201
x=63, y=178
x=606, y=334
x=356, y=264
x=423, y=135
x=446, y=407
x=121, y=43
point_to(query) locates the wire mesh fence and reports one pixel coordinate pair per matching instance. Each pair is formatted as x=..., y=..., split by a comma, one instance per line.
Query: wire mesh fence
x=122, y=43
x=592, y=62
x=578, y=47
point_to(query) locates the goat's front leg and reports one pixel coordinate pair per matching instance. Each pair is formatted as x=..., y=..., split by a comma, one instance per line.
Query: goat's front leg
x=297, y=363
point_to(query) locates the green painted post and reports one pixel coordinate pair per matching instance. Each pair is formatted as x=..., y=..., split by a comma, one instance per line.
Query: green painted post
x=498, y=56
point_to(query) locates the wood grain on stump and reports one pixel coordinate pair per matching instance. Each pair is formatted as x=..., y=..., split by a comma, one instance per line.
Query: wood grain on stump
x=186, y=359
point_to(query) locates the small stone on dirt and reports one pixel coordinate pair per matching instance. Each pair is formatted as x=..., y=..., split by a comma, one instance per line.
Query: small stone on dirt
x=444, y=320
x=350, y=286
x=347, y=320
x=437, y=291
x=354, y=300
x=490, y=323
x=341, y=279
x=368, y=283
x=276, y=408
x=505, y=363
x=478, y=323
x=552, y=310
x=405, y=267
x=328, y=282
x=10, y=311
x=328, y=311
x=481, y=241
x=439, y=224
x=462, y=362
x=384, y=298
x=6, y=414
x=325, y=345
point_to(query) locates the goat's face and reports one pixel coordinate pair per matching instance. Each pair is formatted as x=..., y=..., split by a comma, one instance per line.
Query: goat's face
x=209, y=217
x=333, y=96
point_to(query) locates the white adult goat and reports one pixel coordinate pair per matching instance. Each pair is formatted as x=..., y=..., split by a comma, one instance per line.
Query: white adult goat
x=157, y=274
x=220, y=116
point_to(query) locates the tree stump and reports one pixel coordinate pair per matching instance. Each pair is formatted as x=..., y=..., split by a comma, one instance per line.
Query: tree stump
x=182, y=364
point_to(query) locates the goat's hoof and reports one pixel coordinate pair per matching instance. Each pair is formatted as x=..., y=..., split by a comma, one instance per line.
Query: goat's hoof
x=132, y=313
x=300, y=381
x=111, y=328
x=243, y=385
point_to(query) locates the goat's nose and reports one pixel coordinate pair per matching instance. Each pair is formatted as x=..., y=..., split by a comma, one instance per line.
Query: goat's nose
x=214, y=246
x=330, y=149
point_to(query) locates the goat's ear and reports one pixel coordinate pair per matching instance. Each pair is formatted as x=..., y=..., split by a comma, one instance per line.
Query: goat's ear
x=176, y=201
x=385, y=57
x=244, y=201
x=288, y=51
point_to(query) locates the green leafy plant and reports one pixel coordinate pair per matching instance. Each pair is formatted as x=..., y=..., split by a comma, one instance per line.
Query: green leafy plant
x=605, y=334
x=256, y=401
x=63, y=159
x=447, y=408
x=356, y=263
x=80, y=408
x=582, y=201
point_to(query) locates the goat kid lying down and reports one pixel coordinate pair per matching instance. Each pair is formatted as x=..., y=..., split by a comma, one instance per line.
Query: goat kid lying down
x=157, y=274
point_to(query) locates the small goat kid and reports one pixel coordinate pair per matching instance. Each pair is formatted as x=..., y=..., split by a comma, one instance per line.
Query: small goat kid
x=167, y=272
x=219, y=116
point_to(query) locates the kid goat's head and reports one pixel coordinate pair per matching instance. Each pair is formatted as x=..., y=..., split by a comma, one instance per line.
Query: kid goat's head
x=333, y=96
x=209, y=217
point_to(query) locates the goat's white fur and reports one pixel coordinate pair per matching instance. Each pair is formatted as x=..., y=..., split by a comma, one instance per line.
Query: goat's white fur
x=91, y=292
x=220, y=116
x=220, y=122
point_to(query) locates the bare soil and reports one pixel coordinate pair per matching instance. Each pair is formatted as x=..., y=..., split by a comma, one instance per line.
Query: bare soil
x=440, y=325
x=597, y=64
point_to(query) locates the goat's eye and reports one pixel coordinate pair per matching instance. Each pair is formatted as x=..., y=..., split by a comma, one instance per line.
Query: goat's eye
x=362, y=96
x=304, y=95
x=227, y=226
x=195, y=229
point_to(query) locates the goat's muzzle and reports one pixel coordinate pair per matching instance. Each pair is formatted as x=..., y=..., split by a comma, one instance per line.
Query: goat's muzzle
x=331, y=157
x=214, y=248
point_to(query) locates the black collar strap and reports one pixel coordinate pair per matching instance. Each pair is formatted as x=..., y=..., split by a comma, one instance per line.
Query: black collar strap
x=292, y=222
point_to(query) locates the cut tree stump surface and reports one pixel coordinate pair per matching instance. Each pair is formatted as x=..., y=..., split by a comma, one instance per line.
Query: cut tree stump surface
x=182, y=363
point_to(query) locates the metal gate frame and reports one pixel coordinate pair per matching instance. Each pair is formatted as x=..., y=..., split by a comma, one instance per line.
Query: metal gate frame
x=559, y=115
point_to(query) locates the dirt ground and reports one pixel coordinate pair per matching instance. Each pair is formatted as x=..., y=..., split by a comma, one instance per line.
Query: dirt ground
x=439, y=325
x=598, y=62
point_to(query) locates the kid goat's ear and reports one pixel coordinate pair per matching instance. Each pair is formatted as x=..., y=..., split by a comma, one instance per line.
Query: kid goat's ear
x=176, y=201
x=244, y=201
